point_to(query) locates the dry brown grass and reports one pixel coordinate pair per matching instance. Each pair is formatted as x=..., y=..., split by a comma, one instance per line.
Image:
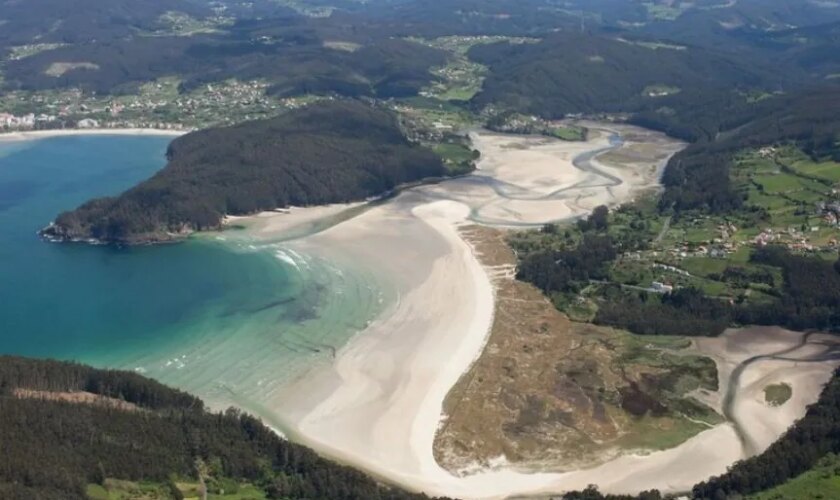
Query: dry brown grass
x=60, y=68
x=546, y=392
x=78, y=397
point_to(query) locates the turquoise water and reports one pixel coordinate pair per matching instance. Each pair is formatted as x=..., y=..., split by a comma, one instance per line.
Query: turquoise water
x=229, y=321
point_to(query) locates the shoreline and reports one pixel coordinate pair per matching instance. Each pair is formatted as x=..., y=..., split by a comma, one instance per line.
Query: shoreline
x=358, y=411
x=379, y=405
x=29, y=135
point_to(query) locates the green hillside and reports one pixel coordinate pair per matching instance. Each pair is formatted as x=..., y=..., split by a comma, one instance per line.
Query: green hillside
x=70, y=432
x=328, y=152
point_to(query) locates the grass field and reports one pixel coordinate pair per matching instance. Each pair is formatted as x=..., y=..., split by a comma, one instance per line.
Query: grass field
x=650, y=433
x=569, y=133
x=779, y=183
x=454, y=153
x=766, y=201
x=821, y=482
x=787, y=185
x=115, y=489
x=828, y=170
x=458, y=158
x=704, y=266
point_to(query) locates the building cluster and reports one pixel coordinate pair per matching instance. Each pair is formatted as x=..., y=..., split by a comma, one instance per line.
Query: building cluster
x=791, y=237
x=830, y=212
x=28, y=121
x=157, y=105
x=660, y=287
x=418, y=127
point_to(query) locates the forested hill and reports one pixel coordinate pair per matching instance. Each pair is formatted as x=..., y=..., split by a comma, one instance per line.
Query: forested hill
x=71, y=21
x=67, y=431
x=581, y=73
x=699, y=176
x=326, y=153
x=291, y=58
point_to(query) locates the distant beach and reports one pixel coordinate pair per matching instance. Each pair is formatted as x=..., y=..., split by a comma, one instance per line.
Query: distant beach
x=43, y=134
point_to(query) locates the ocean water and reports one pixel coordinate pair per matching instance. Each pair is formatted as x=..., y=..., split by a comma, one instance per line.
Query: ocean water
x=231, y=321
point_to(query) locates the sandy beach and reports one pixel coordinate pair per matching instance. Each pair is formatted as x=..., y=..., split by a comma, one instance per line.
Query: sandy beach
x=43, y=134
x=378, y=405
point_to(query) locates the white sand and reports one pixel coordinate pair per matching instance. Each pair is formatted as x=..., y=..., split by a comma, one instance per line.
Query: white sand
x=381, y=401
x=765, y=423
x=289, y=222
x=532, y=180
x=43, y=134
x=379, y=404
x=378, y=407
x=762, y=423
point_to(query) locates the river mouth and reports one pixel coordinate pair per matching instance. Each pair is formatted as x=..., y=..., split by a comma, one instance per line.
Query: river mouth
x=377, y=309
x=378, y=405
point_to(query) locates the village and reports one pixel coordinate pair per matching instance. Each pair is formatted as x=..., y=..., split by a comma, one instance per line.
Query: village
x=157, y=105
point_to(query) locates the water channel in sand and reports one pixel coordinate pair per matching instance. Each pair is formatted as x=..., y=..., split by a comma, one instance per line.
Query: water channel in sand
x=378, y=404
x=395, y=278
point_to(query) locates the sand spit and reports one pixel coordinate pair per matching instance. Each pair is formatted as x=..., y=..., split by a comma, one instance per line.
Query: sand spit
x=378, y=404
x=294, y=222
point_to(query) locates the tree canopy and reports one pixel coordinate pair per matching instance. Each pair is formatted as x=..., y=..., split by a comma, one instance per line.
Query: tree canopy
x=325, y=153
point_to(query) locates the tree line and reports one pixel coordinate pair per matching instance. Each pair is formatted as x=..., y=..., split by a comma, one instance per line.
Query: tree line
x=54, y=449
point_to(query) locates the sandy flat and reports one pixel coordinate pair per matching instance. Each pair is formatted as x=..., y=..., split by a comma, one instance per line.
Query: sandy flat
x=378, y=405
x=289, y=222
x=524, y=181
x=782, y=359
